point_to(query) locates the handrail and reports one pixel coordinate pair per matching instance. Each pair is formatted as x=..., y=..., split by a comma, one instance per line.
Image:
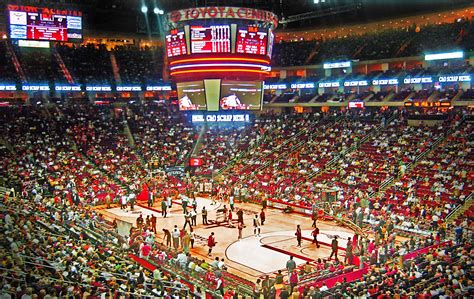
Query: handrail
x=286, y=142
x=468, y=201
x=62, y=281
x=347, y=150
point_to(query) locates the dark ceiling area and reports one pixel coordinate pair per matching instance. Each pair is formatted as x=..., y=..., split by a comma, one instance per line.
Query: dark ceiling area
x=122, y=15
x=329, y=12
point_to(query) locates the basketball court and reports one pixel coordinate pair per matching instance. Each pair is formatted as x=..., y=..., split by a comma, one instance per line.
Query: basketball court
x=252, y=256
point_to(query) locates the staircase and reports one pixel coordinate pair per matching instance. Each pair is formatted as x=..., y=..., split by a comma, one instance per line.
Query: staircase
x=390, y=181
x=128, y=133
x=63, y=66
x=388, y=97
x=433, y=97
x=403, y=47
x=198, y=144
x=313, y=53
x=295, y=147
x=460, y=210
x=457, y=96
x=346, y=151
x=115, y=68
x=358, y=51
x=236, y=159
x=16, y=62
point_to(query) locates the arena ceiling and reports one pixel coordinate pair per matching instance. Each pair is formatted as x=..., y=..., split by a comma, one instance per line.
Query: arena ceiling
x=326, y=12
x=122, y=15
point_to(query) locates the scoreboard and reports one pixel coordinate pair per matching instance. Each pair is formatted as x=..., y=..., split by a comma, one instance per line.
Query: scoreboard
x=175, y=43
x=251, y=41
x=224, y=43
x=44, y=24
x=210, y=39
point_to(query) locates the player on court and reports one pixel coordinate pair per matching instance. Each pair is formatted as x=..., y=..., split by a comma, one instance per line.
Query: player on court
x=256, y=226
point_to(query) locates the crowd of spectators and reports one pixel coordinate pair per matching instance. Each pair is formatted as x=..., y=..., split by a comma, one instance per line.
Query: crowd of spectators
x=221, y=145
x=162, y=137
x=71, y=157
x=383, y=155
x=40, y=66
x=139, y=66
x=101, y=137
x=291, y=163
x=438, y=182
x=88, y=64
x=380, y=45
x=60, y=250
x=8, y=73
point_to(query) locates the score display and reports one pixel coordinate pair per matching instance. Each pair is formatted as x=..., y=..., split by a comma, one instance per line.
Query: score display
x=175, y=43
x=44, y=24
x=251, y=41
x=211, y=39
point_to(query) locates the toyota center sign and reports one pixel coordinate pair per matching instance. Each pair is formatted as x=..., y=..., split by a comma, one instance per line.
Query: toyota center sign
x=222, y=12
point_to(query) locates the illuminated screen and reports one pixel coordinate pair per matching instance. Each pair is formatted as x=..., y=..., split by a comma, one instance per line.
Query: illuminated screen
x=240, y=95
x=175, y=44
x=357, y=104
x=44, y=24
x=271, y=37
x=251, y=41
x=195, y=162
x=210, y=39
x=191, y=96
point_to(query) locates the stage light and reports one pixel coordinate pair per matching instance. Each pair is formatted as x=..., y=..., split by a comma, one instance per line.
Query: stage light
x=144, y=9
x=158, y=11
x=450, y=55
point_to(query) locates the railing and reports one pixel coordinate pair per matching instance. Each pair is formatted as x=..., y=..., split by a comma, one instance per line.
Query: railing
x=412, y=164
x=454, y=212
x=280, y=146
x=347, y=150
x=238, y=157
x=295, y=147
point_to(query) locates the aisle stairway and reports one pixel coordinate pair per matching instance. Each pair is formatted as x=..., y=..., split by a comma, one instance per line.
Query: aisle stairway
x=275, y=150
x=349, y=150
x=115, y=68
x=63, y=66
x=16, y=62
x=461, y=210
x=390, y=181
x=198, y=144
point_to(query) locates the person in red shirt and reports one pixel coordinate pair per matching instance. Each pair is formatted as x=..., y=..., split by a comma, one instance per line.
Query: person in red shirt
x=262, y=216
x=293, y=280
x=298, y=235
x=211, y=242
x=145, y=250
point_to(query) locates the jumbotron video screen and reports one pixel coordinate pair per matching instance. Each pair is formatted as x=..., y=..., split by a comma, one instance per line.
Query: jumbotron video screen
x=239, y=95
x=191, y=96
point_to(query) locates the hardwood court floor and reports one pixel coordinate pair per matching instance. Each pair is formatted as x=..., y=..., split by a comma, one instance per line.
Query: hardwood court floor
x=253, y=256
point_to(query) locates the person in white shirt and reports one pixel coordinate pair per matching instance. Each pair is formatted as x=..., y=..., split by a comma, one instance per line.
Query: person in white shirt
x=231, y=102
x=175, y=234
x=220, y=264
x=182, y=260
x=123, y=202
x=185, y=103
